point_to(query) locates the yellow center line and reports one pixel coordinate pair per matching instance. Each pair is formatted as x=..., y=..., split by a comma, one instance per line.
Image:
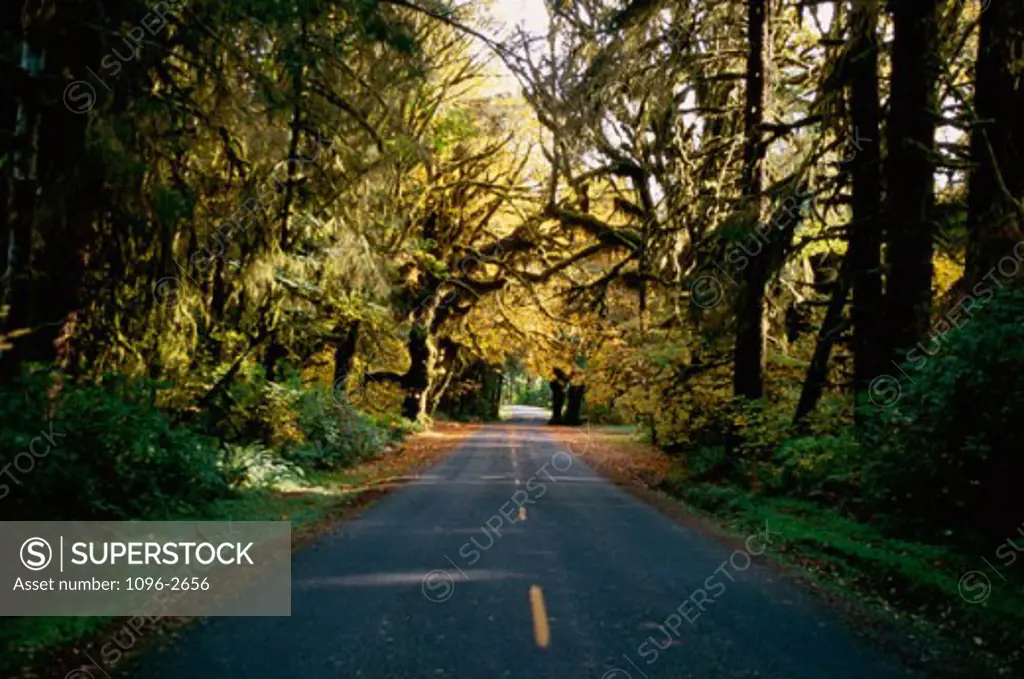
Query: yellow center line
x=541, y=631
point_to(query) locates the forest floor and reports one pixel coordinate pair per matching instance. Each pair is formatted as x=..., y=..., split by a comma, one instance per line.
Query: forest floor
x=39, y=647
x=947, y=612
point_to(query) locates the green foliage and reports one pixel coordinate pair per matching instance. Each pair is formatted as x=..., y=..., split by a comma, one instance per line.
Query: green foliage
x=534, y=395
x=598, y=414
x=395, y=428
x=254, y=466
x=764, y=429
x=258, y=410
x=455, y=127
x=118, y=457
x=700, y=463
x=334, y=434
x=521, y=388
x=825, y=468
x=940, y=464
x=276, y=416
x=946, y=456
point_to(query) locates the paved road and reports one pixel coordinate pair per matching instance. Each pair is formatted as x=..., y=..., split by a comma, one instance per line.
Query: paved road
x=591, y=583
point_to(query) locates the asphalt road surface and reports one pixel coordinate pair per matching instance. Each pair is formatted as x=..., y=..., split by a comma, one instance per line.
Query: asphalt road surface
x=448, y=578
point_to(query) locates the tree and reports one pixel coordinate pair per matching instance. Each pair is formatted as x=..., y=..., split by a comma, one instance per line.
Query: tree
x=865, y=169
x=996, y=216
x=749, y=357
x=910, y=172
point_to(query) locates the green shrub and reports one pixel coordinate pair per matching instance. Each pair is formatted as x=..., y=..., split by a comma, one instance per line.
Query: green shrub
x=254, y=466
x=761, y=429
x=534, y=396
x=705, y=461
x=822, y=468
x=335, y=435
x=117, y=455
x=946, y=457
x=605, y=414
x=396, y=428
x=256, y=409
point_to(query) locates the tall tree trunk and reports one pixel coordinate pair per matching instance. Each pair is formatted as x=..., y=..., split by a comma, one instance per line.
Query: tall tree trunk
x=10, y=21
x=491, y=393
x=344, y=352
x=748, y=375
x=574, y=405
x=995, y=223
x=448, y=351
x=418, y=378
x=298, y=76
x=557, y=400
x=24, y=172
x=275, y=350
x=831, y=328
x=910, y=172
x=865, y=168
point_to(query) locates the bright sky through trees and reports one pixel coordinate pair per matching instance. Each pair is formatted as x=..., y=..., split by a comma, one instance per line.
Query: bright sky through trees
x=531, y=15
